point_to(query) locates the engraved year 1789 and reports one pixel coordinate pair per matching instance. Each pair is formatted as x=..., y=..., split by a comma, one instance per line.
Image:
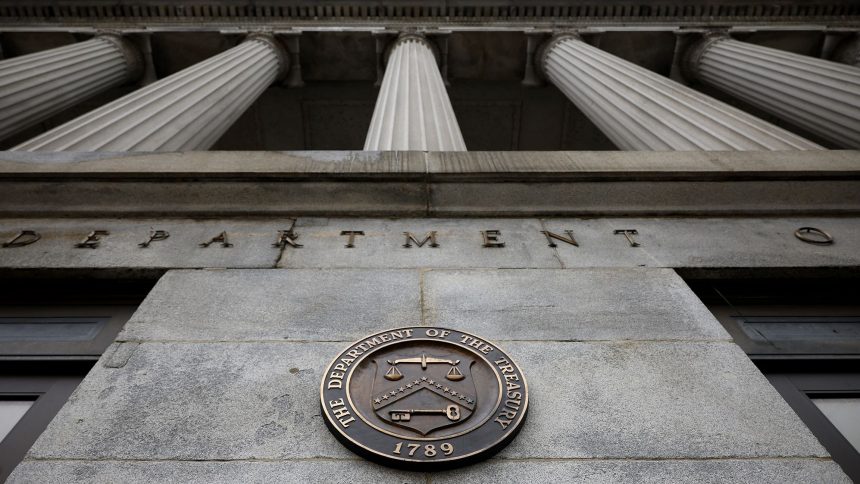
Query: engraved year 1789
x=429, y=449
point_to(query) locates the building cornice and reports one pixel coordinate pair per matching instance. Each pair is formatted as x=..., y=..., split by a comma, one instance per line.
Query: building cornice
x=397, y=184
x=396, y=14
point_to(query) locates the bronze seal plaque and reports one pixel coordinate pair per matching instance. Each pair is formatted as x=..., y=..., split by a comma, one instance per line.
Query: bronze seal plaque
x=424, y=398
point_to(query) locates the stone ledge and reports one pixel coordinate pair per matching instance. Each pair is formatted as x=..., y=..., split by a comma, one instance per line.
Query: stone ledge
x=302, y=471
x=764, y=471
x=441, y=165
x=776, y=471
x=230, y=184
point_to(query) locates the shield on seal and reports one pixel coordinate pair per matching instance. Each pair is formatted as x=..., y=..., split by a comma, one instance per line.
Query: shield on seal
x=423, y=392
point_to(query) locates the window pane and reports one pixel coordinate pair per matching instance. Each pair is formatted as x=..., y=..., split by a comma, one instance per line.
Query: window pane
x=50, y=329
x=802, y=329
x=11, y=412
x=844, y=414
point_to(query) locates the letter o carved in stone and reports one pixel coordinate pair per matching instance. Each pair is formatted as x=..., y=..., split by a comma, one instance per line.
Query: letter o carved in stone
x=812, y=235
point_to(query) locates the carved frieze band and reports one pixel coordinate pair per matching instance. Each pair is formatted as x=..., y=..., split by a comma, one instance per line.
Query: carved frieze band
x=288, y=238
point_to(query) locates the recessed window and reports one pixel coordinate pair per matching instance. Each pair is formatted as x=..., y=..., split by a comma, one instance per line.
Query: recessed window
x=51, y=333
x=804, y=335
x=844, y=414
x=50, y=329
x=11, y=411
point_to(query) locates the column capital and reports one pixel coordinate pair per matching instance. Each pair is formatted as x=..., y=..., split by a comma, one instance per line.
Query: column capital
x=693, y=55
x=409, y=36
x=275, y=45
x=132, y=55
x=548, y=45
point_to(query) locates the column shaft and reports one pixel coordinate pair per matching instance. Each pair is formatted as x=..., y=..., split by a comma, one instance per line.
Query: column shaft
x=413, y=111
x=641, y=110
x=189, y=110
x=37, y=86
x=820, y=96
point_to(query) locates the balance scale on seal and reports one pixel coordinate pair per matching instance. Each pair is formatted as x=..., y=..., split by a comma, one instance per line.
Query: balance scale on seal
x=454, y=374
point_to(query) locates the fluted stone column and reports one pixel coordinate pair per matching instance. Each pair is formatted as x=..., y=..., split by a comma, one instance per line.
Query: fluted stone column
x=37, y=86
x=189, y=110
x=820, y=96
x=640, y=110
x=413, y=111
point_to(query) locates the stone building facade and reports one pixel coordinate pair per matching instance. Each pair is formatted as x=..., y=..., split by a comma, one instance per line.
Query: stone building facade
x=653, y=206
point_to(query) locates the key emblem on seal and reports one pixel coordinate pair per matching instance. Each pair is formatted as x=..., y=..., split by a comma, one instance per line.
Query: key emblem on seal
x=423, y=397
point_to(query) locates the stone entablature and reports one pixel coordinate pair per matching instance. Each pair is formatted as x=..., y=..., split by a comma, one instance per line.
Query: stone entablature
x=518, y=12
x=331, y=243
x=404, y=184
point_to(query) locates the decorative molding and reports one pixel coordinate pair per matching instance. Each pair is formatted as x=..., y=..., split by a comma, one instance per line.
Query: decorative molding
x=153, y=12
x=400, y=184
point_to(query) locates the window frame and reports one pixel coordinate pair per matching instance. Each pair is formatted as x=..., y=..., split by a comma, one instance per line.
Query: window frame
x=798, y=389
x=51, y=391
x=732, y=317
x=52, y=370
x=798, y=370
x=115, y=317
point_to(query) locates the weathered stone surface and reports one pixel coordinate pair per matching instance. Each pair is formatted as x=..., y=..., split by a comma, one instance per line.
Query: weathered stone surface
x=199, y=402
x=714, y=242
x=252, y=243
x=638, y=400
x=623, y=163
x=407, y=184
x=764, y=242
x=553, y=163
x=776, y=471
x=598, y=245
x=110, y=472
x=771, y=471
x=460, y=244
x=227, y=401
x=570, y=305
x=644, y=198
x=317, y=305
x=99, y=196
x=665, y=242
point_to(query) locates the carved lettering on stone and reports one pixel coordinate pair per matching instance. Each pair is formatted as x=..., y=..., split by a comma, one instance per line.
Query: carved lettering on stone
x=22, y=238
x=492, y=238
x=154, y=236
x=221, y=238
x=350, y=241
x=567, y=240
x=92, y=240
x=628, y=234
x=410, y=239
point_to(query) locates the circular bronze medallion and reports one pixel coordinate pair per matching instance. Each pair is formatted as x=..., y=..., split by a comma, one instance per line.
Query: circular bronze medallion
x=424, y=397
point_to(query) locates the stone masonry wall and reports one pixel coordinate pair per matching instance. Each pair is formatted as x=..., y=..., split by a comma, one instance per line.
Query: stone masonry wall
x=216, y=379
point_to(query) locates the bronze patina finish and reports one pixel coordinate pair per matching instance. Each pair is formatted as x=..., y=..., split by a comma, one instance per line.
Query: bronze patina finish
x=424, y=398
